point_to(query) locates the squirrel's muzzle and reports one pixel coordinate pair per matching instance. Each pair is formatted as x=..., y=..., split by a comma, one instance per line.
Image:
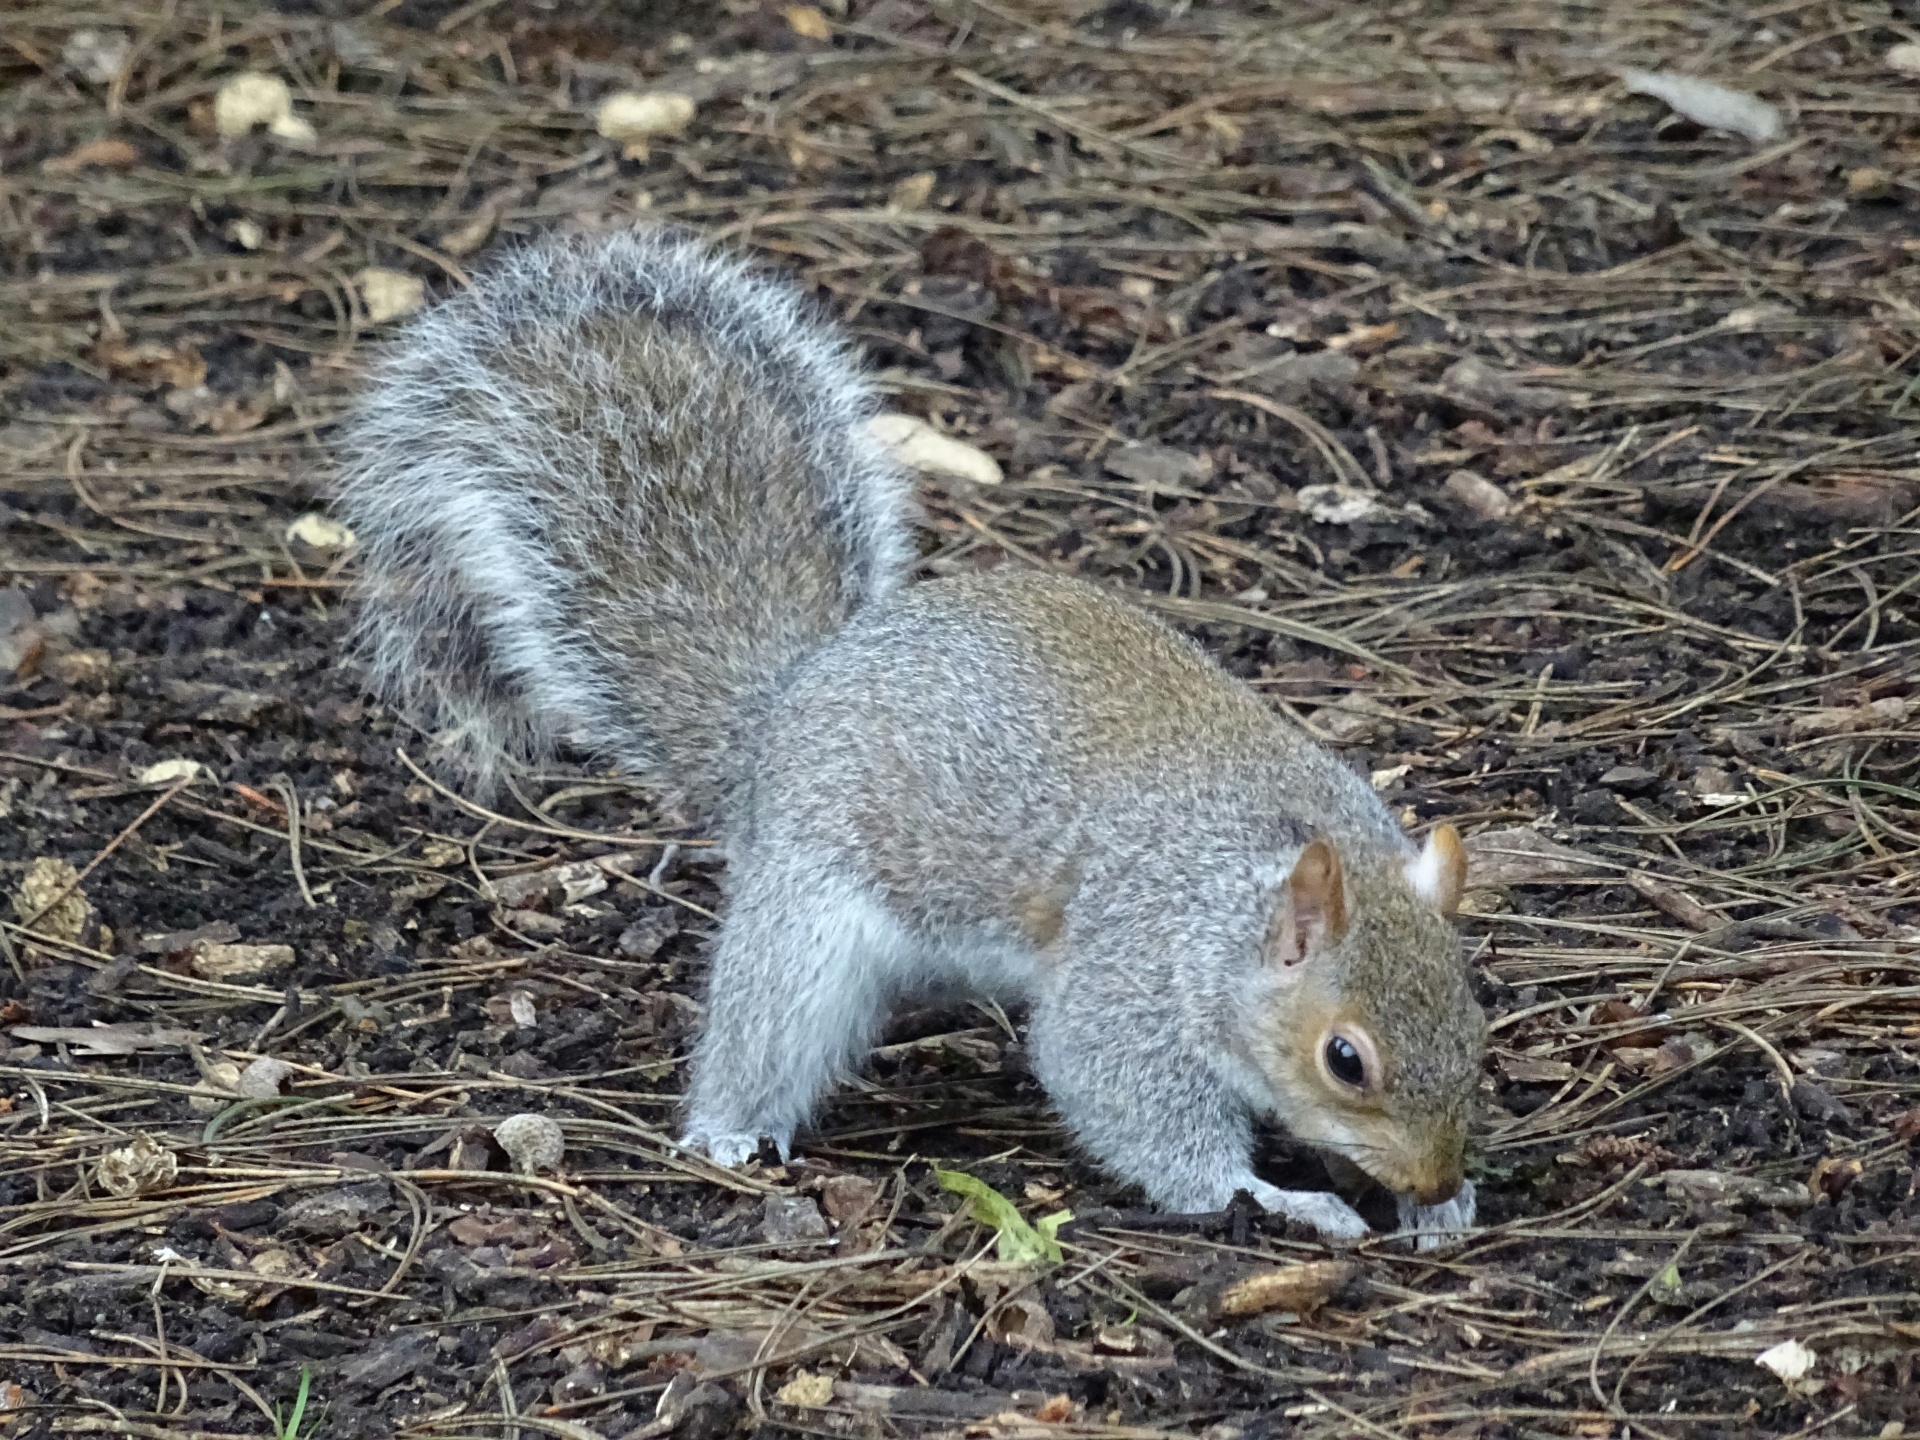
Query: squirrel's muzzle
x=1436, y=1177
x=1440, y=1190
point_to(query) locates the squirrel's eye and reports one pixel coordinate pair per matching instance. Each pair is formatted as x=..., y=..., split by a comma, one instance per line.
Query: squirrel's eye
x=1344, y=1062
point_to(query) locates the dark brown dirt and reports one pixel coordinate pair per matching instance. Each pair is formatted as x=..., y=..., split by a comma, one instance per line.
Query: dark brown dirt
x=1171, y=266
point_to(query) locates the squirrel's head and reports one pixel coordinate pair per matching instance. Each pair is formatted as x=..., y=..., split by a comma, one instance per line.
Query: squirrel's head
x=1366, y=1028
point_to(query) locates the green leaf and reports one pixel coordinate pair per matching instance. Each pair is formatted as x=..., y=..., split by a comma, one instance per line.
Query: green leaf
x=288, y=1427
x=1019, y=1243
x=1666, y=1285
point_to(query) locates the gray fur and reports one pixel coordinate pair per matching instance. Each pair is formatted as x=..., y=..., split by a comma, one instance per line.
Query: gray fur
x=610, y=494
x=617, y=492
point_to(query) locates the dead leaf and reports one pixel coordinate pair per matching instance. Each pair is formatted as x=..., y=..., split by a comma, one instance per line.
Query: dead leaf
x=1159, y=466
x=1481, y=497
x=1473, y=381
x=1522, y=856
x=111, y=154
x=126, y=1039
x=849, y=1199
x=1673, y=903
x=239, y=962
x=1533, y=1070
x=219, y=1084
x=204, y=408
x=140, y=1166
x=911, y=193
x=1300, y=1289
x=1611, y=1013
x=151, y=363
x=50, y=901
x=1287, y=376
x=180, y=942
x=809, y=1388
x=1890, y=713
x=1365, y=339
x=1714, y=1185
x=1833, y=1178
x=570, y=884
x=1022, y=1322
x=807, y=22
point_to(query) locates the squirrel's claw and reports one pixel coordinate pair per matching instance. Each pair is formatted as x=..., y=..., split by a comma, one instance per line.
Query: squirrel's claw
x=1331, y=1216
x=1435, y=1225
x=733, y=1149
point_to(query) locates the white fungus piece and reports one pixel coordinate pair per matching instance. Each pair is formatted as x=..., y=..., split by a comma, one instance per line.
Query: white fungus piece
x=165, y=772
x=918, y=446
x=532, y=1142
x=256, y=98
x=98, y=55
x=389, y=294
x=1790, y=1360
x=635, y=117
x=322, y=532
x=1341, y=504
x=264, y=1078
x=1708, y=104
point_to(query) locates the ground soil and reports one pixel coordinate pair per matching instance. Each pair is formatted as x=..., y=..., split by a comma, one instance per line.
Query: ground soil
x=1547, y=452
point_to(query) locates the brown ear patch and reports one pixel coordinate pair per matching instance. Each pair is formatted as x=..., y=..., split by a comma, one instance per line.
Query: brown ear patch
x=1439, y=873
x=1312, y=908
x=1453, y=868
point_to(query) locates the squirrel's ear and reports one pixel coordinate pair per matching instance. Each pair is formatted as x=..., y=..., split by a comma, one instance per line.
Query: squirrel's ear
x=1313, y=906
x=1438, y=873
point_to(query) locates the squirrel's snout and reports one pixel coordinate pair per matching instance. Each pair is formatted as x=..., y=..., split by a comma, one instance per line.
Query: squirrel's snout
x=1438, y=1192
x=1436, y=1178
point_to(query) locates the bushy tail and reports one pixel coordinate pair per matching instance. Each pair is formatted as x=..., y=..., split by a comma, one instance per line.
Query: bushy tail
x=610, y=495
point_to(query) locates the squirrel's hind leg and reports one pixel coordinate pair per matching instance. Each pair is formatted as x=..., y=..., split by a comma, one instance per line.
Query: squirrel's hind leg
x=797, y=992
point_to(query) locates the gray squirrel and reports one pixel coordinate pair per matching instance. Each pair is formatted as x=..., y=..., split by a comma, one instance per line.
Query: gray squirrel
x=621, y=494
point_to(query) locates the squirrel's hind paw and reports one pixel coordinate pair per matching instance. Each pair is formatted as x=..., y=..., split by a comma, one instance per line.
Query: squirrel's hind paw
x=733, y=1148
x=1435, y=1225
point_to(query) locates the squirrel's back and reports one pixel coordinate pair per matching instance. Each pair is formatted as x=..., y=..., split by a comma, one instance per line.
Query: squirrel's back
x=610, y=495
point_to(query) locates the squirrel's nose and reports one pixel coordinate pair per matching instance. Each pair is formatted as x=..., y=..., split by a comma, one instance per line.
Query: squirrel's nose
x=1438, y=1180
x=1438, y=1192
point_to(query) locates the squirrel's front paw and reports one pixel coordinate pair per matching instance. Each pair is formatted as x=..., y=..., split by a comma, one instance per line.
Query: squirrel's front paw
x=732, y=1148
x=1435, y=1225
x=1331, y=1216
